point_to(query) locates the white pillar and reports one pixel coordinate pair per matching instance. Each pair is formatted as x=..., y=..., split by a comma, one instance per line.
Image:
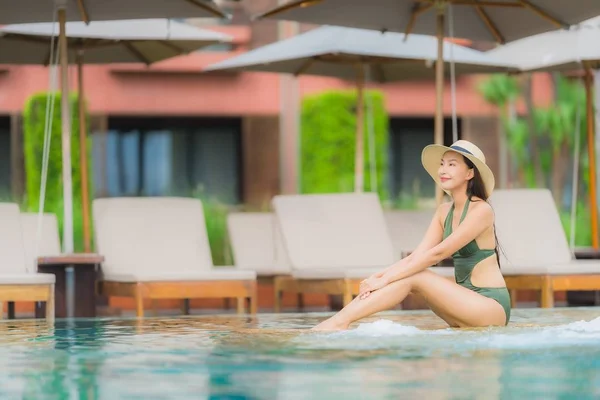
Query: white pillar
x=289, y=121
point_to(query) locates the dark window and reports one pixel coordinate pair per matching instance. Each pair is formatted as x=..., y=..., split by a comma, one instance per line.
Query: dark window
x=170, y=156
x=408, y=137
x=5, y=159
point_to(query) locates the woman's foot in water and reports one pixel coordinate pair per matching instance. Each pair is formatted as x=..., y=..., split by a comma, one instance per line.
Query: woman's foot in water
x=331, y=324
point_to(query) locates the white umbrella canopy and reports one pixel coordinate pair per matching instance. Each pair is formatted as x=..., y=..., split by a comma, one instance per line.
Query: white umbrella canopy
x=127, y=41
x=346, y=53
x=102, y=42
x=25, y=11
x=487, y=20
x=561, y=50
x=336, y=51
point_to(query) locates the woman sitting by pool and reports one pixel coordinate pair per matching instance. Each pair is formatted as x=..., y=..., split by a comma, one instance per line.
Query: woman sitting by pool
x=463, y=229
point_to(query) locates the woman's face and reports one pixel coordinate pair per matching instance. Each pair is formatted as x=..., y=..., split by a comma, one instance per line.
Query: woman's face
x=454, y=171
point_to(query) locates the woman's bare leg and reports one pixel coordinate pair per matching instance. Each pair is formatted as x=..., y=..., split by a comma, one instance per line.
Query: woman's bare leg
x=456, y=305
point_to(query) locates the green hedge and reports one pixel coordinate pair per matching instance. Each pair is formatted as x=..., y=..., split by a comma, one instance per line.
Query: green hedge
x=33, y=130
x=583, y=227
x=215, y=214
x=328, y=133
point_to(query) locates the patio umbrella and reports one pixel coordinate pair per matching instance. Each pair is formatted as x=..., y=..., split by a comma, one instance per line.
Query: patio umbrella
x=26, y=11
x=486, y=20
x=570, y=50
x=103, y=42
x=350, y=53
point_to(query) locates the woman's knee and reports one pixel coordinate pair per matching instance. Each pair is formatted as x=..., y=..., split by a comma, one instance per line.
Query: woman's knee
x=414, y=282
x=418, y=280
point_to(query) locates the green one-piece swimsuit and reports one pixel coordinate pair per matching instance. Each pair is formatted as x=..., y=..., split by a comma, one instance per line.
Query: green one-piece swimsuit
x=465, y=260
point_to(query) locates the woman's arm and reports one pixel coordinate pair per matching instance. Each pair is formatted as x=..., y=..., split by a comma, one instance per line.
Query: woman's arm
x=477, y=221
x=432, y=237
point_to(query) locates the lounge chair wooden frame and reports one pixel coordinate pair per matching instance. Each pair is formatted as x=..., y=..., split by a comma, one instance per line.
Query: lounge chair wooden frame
x=547, y=285
x=343, y=287
x=242, y=290
x=36, y=292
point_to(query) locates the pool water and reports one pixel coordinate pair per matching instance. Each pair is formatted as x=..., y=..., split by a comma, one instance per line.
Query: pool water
x=549, y=354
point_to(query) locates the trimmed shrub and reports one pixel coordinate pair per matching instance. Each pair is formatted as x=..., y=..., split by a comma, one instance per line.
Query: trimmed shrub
x=34, y=116
x=328, y=142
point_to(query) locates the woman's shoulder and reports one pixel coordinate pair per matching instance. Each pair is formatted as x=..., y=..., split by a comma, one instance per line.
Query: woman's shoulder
x=443, y=210
x=479, y=202
x=478, y=206
x=482, y=207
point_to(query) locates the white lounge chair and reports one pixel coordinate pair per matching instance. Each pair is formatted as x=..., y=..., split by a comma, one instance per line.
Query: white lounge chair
x=536, y=254
x=49, y=244
x=157, y=248
x=256, y=243
x=333, y=241
x=19, y=279
x=407, y=228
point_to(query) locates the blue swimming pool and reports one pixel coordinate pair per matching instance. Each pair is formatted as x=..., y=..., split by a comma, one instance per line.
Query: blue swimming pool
x=546, y=354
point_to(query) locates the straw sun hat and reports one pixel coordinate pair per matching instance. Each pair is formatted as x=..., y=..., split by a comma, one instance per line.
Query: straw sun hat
x=432, y=154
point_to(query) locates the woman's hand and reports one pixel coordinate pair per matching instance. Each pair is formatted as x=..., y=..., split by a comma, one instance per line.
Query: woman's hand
x=370, y=285
x=378, y=274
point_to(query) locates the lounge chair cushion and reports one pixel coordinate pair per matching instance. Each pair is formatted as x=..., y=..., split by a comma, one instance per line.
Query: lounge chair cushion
x=355, y=273
x=27, y=279
x=577, y=267
x=269, y=271
x=407, y=228
x=363, y=273
x=13, y=268
x=12, y=251
x=334, y=231
x=49, y=241
x=257, y=244
x=151, y=236
x=217, y=274
x=529, y=230
x=319, y=273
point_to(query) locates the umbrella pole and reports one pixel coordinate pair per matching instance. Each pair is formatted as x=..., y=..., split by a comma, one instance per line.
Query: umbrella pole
x=83, y=162
x=575, y=184
x=66, y=137
x=359, y=156
x=591, y=155
x=439, y=92
x=371, y=136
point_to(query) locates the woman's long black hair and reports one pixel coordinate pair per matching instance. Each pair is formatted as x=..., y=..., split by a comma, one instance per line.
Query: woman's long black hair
x=476, y=188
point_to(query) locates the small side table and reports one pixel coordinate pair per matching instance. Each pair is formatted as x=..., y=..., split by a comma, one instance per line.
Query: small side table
x=586, y=253
x=85, y=271
x=584, y=298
